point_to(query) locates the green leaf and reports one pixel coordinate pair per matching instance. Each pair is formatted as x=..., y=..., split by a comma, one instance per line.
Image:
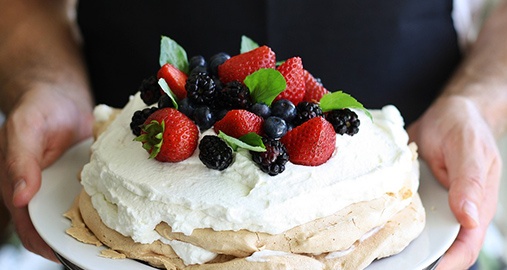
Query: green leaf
x=171, y=52
x=340, y=100
x=250, y=141
x=247, y=44
x=165, y=87
x=265, y=84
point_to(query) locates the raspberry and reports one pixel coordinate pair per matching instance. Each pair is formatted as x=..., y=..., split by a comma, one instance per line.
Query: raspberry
x=138, y=119
x=235, y=95
x=305, y=111
x=201, y=89
x=215, y=153
x=150, y=91
x=344, y=121
x=273, y=160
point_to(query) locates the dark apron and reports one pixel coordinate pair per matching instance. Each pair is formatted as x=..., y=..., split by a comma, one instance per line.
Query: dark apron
x=397, y=52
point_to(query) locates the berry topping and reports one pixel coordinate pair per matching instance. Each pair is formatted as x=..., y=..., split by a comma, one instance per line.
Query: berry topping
x=215, y=153
x=203, y=117
x=169, y=136
x=175, y=78
x=242, y=65
x=306, y=111
x=274, y=127
x=197, y=61
x=138, y=119
x=201, y=89
x=292, y=71
x=165, y=102
x=261, y=109
x=273, y=160
x=311, y=143
x=314, y=90
x=235, y=95
x=344, y=121
x=284, y=109
x=215, y=61
x=237, y=123
x=150, y=91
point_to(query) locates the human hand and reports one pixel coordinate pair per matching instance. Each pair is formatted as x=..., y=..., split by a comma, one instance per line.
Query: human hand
x=459, y=147
x=37, y=131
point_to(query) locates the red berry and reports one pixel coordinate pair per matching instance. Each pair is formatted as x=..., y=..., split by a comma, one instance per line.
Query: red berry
x=292, y=71
x=237, y=123
x=175, y=78
x=179, y=135
x=312, y=143
x=239, y=66
x=314, y=90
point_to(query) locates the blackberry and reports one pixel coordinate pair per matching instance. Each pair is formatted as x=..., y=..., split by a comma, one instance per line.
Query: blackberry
x=305, y=111
x=201, y=89
x=215, y=153
x=150, y=91
x=235, y=95
x=139, y=118
x=273, y=160
x=165, y=102
x=344, y=121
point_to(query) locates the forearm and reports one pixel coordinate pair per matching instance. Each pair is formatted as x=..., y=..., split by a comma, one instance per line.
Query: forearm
x=39, y=50
x=482, y=77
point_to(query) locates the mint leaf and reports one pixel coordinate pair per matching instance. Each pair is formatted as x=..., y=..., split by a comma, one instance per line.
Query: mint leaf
x=250, y=141
x=165, y=87
x=340, y=100
x=265, y=84
x=247, y=44
x=171, y=52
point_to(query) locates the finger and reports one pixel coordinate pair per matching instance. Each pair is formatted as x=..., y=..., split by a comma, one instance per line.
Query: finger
x=28, y=235
x=464, y=250
x=22, y=157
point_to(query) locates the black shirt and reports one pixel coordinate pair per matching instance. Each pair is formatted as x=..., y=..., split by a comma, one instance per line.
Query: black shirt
x=397, y=52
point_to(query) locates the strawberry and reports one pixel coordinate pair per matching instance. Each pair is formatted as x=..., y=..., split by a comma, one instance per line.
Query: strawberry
x=312, y=143
x=239, y=66
x=292, y=70
x=237, y=123
x=314, y=90
x=175, y=78
x=169, y=136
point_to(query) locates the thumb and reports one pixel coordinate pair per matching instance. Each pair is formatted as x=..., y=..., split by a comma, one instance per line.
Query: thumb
x=23, y=152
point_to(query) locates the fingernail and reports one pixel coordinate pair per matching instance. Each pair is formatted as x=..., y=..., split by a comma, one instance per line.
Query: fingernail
x=471, y=210
x=19, y=186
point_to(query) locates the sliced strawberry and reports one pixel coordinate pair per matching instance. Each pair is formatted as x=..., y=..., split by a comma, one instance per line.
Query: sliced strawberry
x=312, y=143
x=169, y=136
x=292, y=71
x=237, y=123
x=239, y=66
x=175, y=78
x=314, y=90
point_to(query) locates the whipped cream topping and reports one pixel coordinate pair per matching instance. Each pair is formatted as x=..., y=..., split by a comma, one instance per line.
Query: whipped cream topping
x=132, y=193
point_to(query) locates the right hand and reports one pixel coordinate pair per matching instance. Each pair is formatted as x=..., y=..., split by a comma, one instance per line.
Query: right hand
x=37, y=131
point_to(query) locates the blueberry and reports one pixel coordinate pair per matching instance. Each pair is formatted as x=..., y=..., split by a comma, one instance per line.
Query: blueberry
x=199, y=69
x=216, y=60
x=261, y=110
x=165, y=102
x=186, y=108
x=204, y=117
x=284, y=109
x=197, y=61
x=275, y=127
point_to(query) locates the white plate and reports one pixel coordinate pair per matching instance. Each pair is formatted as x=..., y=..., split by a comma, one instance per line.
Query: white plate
x=60, y=186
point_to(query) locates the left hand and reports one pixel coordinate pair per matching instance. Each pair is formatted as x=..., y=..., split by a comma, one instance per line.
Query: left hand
x=461, y=151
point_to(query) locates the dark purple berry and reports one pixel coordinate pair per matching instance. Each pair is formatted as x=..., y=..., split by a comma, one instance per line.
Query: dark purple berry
x=197, y=61
x=201, y=89
x=235, y=95
x=284, y=109
x=165, y=102
x=273, y=160
x=187, y=108
x=274, y=127
x=344, y=121
x=150, y=90
x=215, y=61
x=204, y=118
x=305, y=111
x=215, y=153
x=138, y=119
x=261, y=109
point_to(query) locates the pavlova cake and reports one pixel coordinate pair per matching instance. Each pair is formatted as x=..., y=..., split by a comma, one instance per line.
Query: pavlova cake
x=245, y=163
